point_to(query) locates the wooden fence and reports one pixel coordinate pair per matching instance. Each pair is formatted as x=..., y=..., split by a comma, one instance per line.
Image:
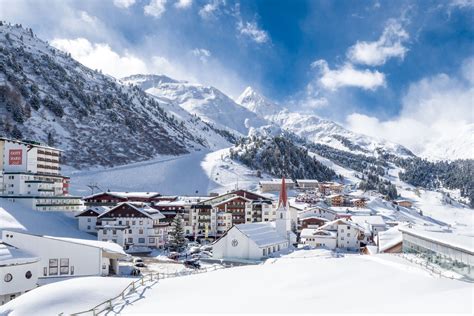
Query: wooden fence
x=135, y=285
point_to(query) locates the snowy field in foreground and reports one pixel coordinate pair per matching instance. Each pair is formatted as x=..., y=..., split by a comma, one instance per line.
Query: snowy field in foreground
x=360, y=284
x=306, y=281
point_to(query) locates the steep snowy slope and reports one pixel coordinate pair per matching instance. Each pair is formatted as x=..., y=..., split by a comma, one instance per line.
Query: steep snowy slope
x=47, y=96
x=316, y=129
x=461, y=146
x=208, y=103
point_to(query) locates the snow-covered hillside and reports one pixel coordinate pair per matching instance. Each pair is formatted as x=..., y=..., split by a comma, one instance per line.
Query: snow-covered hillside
x=208, y=103
x=45, y=95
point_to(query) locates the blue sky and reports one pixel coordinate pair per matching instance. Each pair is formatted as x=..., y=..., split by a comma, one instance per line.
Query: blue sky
x=337, y=59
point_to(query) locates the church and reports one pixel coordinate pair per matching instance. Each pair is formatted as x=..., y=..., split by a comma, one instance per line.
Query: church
x=256, y=241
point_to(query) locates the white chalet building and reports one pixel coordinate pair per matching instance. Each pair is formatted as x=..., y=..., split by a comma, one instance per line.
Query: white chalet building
x=67, y=257
x=258, y=240
x=340, y=233
x=18, y=272
x=87, y=219
x=132, y=225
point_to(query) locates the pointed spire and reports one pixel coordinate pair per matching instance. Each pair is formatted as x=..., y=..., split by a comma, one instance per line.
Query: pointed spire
x=283, y=201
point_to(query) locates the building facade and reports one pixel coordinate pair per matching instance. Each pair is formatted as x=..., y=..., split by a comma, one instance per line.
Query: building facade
x=31, y=175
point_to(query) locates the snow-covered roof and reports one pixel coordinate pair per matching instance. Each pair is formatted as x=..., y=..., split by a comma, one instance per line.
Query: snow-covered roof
x=372, y=220
x=106, y=246
x=232, y=198
x=276, y=181
x=126, y=195
x=313, y=216
x=263, y=234
x=442, y=236
x=341, y=222
x=389, y=238
x=98, y=209
x=312, y=232
x=145, y=209
x=11, y=256
x=307, y=181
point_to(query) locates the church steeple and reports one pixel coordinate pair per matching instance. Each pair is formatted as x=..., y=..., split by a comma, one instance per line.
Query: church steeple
x=283, y=200
x=283, y=220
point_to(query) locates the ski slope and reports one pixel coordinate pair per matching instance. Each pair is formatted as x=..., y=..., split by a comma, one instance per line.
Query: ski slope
x=200, y=172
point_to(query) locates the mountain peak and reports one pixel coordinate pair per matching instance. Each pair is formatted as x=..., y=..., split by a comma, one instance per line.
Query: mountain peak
x=257, y=103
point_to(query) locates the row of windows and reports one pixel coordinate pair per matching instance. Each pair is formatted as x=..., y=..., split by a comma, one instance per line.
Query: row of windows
x=9, y=277
x=58, y=267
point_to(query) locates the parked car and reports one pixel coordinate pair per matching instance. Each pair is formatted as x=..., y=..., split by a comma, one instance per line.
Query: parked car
x=193, y=264
x=193, y=250
x=173, y=255
x=206, y=248
x=138, y=262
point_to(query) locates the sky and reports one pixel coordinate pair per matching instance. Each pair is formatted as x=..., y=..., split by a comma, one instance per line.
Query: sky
x=390, y=69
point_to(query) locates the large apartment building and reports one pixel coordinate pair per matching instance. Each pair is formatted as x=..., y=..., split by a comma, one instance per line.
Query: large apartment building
x=31, y=175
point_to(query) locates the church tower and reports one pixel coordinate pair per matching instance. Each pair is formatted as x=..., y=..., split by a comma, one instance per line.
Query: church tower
x=283, y=220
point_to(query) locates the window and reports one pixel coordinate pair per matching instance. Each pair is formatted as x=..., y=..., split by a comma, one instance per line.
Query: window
x=114, y=232
x=129, y=231
x=130, y=240
x=45, y=271
x=141, y=240
x=140, y=231
x=140, y=222
x=89, y=220
x=28, y=274
x=133, y=222
x=151, y=240
x=342, y=238
x=72, y=270
x=8, y=277
x=88, y=227
x=348, y=235
x=53, y=266
x=120, y=222
x=64, y=266
x=264, y=252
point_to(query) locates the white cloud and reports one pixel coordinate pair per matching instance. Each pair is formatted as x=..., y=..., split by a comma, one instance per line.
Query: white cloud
x=252, y=30
x=155, y=8
x=124, y=3
x=211, y=9
x=433, y=108
x=389, y=45
x=202, y=54
x=347, y=76
x=183, y=4
x=101, y=56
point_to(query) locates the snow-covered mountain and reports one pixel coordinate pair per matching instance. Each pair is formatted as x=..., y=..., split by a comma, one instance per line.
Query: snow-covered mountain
x=316, y=129
x=209, y=103
x=447, y=147
x=257, y=103
x=45, y=95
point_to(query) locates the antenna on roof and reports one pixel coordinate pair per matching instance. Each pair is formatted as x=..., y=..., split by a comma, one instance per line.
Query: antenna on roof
x=93, y=186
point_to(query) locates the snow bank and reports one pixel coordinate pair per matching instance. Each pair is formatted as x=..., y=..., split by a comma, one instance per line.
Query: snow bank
x=67, y=296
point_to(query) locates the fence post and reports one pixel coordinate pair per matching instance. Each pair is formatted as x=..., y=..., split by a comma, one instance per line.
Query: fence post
x=142, y=281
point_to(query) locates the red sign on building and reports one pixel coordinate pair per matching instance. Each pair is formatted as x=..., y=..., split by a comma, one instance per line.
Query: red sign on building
x=15, y=157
